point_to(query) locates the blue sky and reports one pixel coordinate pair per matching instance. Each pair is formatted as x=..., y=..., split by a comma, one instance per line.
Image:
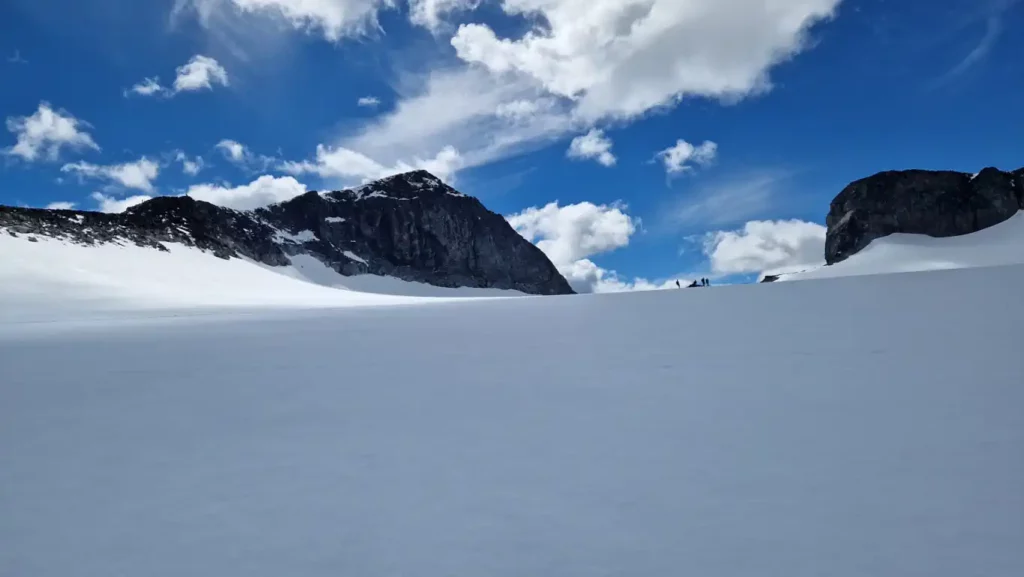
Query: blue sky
x=679, y=138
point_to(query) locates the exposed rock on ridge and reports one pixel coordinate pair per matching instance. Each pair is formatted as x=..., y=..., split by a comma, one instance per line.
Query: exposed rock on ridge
x=410, y=226
x=934, y=203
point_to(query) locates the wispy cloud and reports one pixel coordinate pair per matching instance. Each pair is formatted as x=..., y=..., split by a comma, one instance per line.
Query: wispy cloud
x=16, y=58
x=726, y=202
x=994, y=28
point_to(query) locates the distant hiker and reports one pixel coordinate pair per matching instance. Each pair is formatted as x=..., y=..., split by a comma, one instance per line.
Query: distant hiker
x=677, y=285
x=694, y=284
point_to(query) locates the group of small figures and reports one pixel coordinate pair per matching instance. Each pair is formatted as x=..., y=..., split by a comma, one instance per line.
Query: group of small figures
x=696, y=283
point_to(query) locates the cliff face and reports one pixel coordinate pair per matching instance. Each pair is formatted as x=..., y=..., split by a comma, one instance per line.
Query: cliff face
x=410, y=226
x=934, y=203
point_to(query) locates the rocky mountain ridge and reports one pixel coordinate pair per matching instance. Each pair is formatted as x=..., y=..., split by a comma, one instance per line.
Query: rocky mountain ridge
x=933, y=203
x=410, y=226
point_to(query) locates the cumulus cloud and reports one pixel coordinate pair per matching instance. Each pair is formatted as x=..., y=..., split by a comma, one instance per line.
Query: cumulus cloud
x=201, y=72
x=621, y=58
x=334, y=19
x=263, y=191
x=61, y=205
x=44, y=134
x=592, y=145
x=581, y=64
x=190, y=166
x=369, y=102
x=569, y=235
x=767, y=247
x=233, y=150
x=148, y=87
x=350, y=166
x=678, y=158
x=105, y=203
x=138, y=175
x=430, y=14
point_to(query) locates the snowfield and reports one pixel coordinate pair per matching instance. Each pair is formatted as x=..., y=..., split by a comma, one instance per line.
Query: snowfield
x=997, y=245
x=864, y=426
x=54, y=279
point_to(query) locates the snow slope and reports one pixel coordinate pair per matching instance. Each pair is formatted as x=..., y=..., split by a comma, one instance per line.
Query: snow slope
x=867, y=426
x=997, y=245
x=50, y=278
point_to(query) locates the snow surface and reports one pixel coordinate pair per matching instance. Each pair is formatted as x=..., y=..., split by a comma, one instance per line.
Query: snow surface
x=868, y=426
x=1001, y=244
x=55, y=279
x=334, y=219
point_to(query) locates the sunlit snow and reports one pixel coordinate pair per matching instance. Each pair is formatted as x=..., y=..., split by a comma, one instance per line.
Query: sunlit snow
x=866, y=426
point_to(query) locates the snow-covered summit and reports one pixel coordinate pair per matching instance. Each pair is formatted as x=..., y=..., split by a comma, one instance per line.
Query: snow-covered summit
x=405, y=186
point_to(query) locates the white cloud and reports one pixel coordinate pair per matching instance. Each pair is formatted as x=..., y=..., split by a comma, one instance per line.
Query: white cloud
x=351, y=166
x=138, y=175
x=586, y=277
x=110, y=204
x=430, y=13
x=263, y=191
x=200, y=72
x=369, y=102
x=148, y=87
x=46, y=132
x=465, y=109
x=677, y=158
x=61, y=205
x=767, y=247
x=592, y=145
x=334, y=19
x=570, y=234
x=190, y=166
x=521, y=109
x=621, y=58
x=235, y=151
x=584, y=62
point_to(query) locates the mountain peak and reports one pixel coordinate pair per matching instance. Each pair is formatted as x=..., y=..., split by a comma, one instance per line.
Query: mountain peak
x=410, y=226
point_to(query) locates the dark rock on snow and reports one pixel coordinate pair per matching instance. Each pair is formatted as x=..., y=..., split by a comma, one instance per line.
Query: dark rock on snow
x=935, y=203
x=411, y=226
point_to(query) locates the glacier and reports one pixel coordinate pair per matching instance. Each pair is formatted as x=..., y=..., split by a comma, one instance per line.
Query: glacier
x=169, y=414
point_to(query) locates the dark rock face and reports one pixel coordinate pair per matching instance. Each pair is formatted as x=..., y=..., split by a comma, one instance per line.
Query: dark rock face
x=411, y=226
x=934, y=203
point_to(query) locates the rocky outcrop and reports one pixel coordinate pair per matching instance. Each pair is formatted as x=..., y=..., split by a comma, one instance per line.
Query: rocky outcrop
x=410, y=226
x=934, y=203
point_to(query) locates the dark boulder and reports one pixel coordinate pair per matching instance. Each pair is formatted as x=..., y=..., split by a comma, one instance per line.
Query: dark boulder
x=934, y=203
